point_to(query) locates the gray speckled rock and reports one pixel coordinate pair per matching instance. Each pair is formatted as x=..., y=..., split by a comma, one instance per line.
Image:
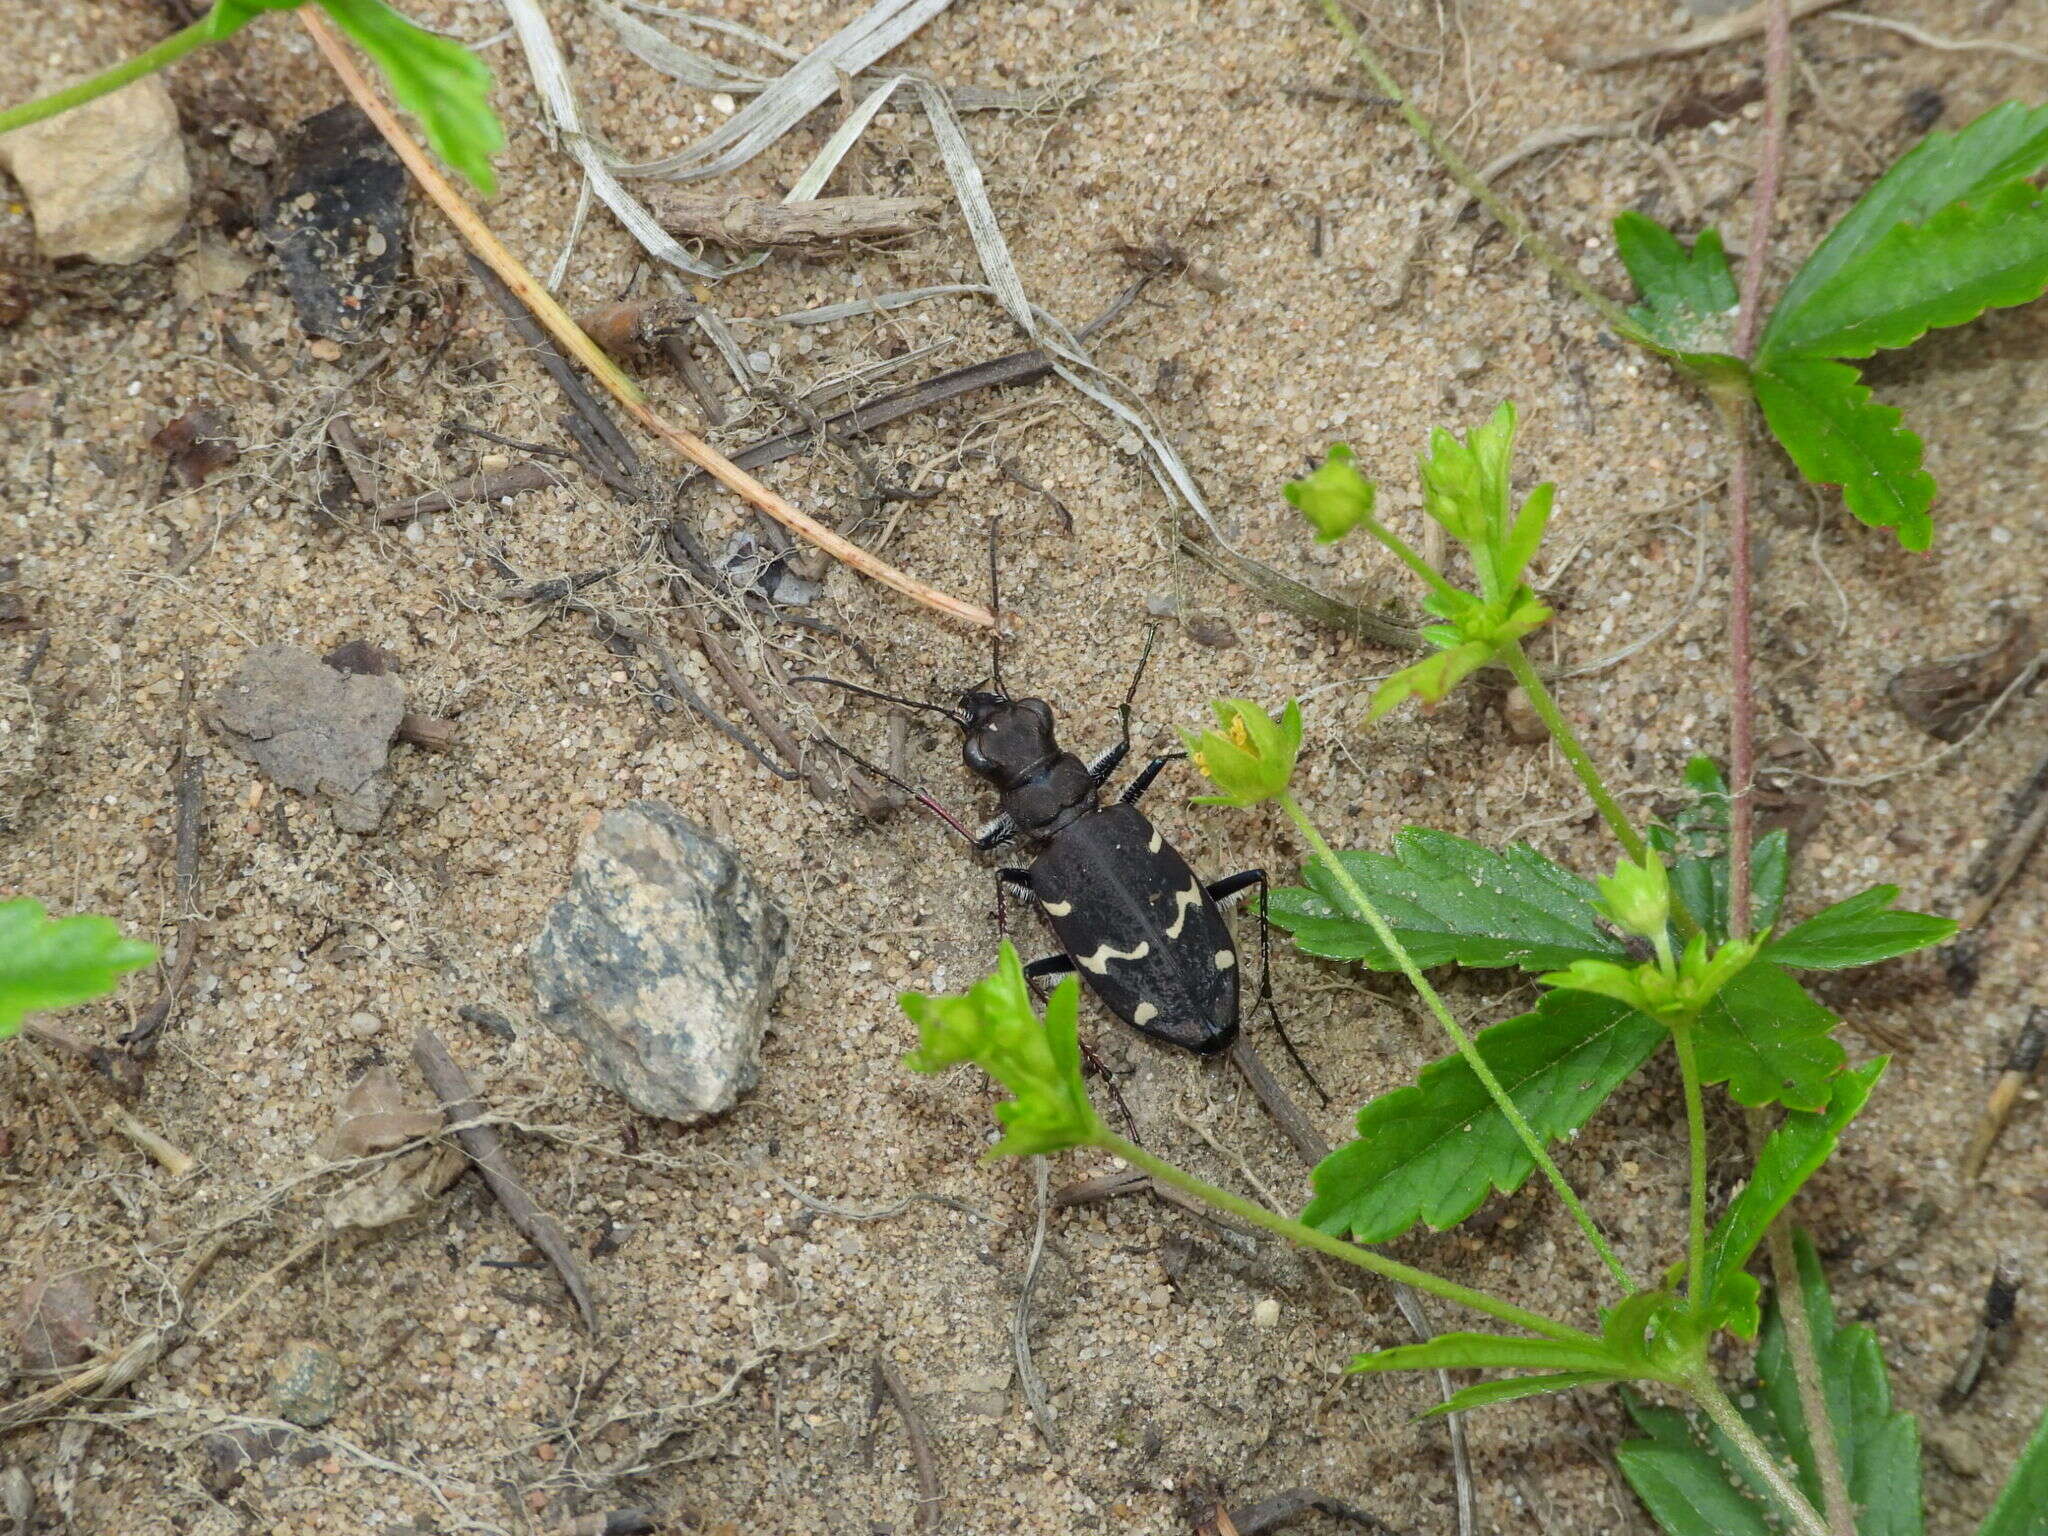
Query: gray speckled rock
x=661, y=962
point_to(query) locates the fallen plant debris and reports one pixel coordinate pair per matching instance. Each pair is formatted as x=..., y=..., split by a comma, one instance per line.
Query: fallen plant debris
x=1993, y=1340
x=1947, y=698
x=196, y=444
x=338, y=222
x=740, y=222
x=2028, y=1048
x=487, y=1150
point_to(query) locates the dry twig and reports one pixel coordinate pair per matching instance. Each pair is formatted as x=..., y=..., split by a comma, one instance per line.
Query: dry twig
x=487, y=1150
x=739, y=222
x=889, y=1382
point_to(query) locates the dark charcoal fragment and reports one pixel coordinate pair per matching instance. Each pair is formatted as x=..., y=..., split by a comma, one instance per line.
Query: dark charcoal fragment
x=337, y=222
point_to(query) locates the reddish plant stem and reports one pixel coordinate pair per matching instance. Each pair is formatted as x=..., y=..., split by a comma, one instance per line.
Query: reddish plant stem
x=1741, y=650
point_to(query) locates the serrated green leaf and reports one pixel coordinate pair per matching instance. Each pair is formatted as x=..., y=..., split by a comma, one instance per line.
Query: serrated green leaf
x=1689, y=296
x=439, y=81
x=1880, y=1449
x=1838, y=435
x=1449, y=899
x=48, y=962
x=1769, y=1041
x=1487, y=1393
x=1494, y=1352
x=2004, y=145
x=1432, y=1151
x=1791, y=1155
x=1687, y=1493
x=1860, y=931
x=2022, y=1507
x=1969, y=257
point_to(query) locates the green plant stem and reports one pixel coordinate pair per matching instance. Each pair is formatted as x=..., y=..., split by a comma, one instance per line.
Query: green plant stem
x=1518, y=662
x=1430, y=576
x=1509, y=218
x=1708, y=1394
x=1530, y=1140
x=171, y=49
x=1813, y=1402
x=1309, y=1237
x=1696, y=1139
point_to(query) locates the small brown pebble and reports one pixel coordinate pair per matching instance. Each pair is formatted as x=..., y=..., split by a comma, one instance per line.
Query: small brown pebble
x=1520, y=717
x=545, y=1451
x=325, y=350
x=305, y=1384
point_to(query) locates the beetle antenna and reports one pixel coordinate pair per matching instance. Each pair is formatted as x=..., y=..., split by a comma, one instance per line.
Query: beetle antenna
x=995, y=608
x=922, y=797
x=887, y=698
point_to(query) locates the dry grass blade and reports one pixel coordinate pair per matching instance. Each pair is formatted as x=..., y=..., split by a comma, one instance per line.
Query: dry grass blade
x=585, y=351
x=1708, y=34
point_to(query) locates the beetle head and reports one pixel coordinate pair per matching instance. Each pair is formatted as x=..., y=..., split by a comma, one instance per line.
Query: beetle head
x=1008, y=739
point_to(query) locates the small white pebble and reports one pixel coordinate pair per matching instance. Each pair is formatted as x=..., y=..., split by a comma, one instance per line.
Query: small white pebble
x=1266, y=1314
x=364, y=1025
x=725, y=104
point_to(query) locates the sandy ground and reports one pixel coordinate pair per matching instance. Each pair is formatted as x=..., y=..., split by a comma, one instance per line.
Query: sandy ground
x=741, y=1309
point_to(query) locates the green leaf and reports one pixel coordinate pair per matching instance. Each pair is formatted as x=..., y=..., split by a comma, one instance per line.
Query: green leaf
x=1880, y=1449
x=1693, y=1484
x=1967, y=258
x=1449, y=899
x=2022, y=1507
x=992, y=1025
x=1860, y=931
x=229, y=16
x=439, y=81
x=1432, y=1151
x=1696, y=846
x=1688, y=1493
x=1791, y=1155
x=1487, y=1393
x=1689, y=297
x=1494, y=1352
x=1838, y=435
x=48, y=962
x=2006, y=144
x=1768, y=1041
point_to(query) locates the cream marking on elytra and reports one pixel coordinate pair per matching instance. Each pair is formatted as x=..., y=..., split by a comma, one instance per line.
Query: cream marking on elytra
x=1184, y=902
x=1157, y=840
x=1099, y=961
x=1057, y=908
x=1225, y=959
x=1143, y=1014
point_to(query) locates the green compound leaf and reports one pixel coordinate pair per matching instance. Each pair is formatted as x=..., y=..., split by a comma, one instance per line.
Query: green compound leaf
x=1838, y=435
x=1768, y=1041
x=1860, y=931
x=2022, y=1507
x=439, y=81
x=1432, y=1151
x=48, y=962
x=1694, y=1484
x=1967, y=258
x=1449, y=899
x=1791, y=1155
x=2006, y=144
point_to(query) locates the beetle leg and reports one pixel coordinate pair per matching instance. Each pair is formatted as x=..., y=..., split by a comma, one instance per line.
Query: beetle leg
x=1143, y=781
x=1237, y=885
x=994, y=834
x=1106, y=763
x=1005, y=878
x=1051, y=965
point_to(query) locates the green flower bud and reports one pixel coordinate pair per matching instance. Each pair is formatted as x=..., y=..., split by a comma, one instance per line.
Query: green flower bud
x=994, y=1026
x=1637, y=897
x=1252, y=758
x=1336, y=498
